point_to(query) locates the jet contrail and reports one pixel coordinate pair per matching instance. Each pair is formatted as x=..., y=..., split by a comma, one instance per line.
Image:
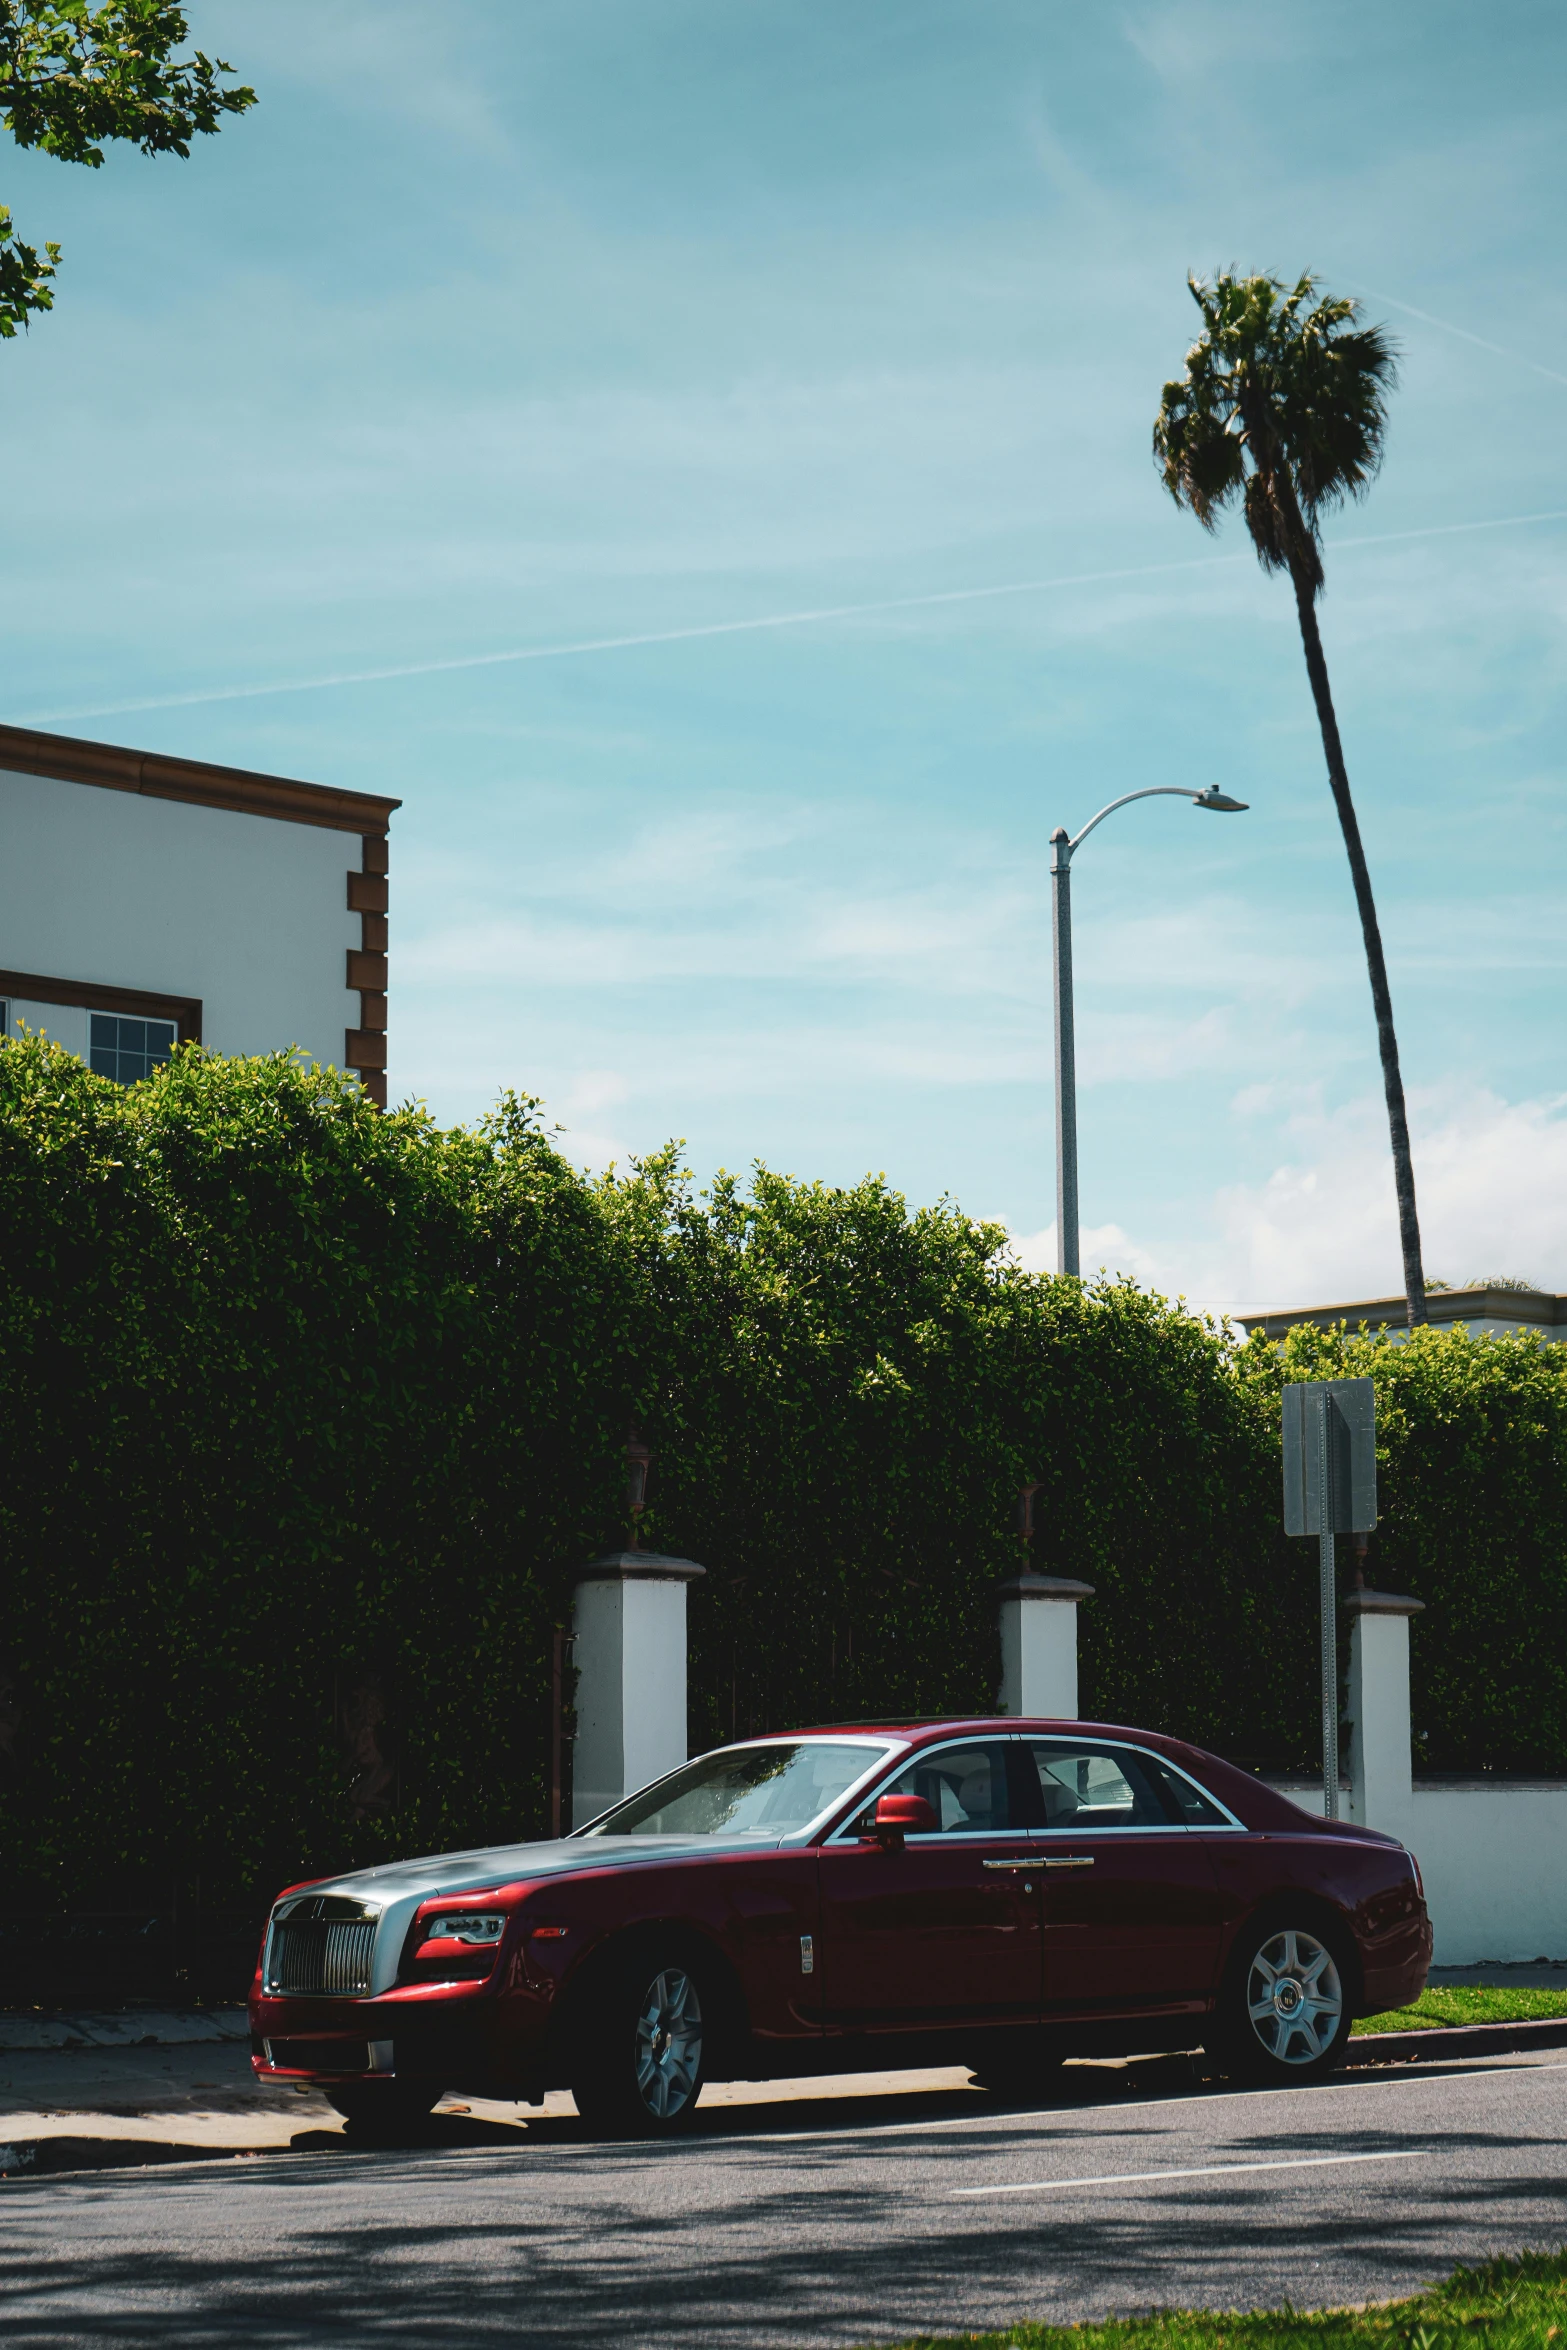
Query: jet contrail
x=1448, y=530
x=617, y=644
x=711, y=628
x=1499, y=349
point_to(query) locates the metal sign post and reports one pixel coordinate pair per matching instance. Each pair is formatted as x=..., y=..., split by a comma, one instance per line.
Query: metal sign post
x=1330, y=1488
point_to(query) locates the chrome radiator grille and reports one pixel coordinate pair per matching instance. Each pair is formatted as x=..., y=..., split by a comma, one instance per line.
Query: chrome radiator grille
x=321, y=1957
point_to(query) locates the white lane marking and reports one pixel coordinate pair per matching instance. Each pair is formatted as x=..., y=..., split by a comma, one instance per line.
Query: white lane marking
x=1066, y=2116
x=1205, y=2170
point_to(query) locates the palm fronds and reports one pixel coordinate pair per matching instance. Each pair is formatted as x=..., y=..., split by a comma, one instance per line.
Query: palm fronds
x=1283, y=407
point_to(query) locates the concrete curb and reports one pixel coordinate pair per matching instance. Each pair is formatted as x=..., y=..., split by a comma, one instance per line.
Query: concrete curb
x=133, y=2030
x=32, y=2158
x=1450, y=2040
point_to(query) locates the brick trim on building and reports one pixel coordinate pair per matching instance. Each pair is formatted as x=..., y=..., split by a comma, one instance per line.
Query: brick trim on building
x=364, y=1047
x=149, y=772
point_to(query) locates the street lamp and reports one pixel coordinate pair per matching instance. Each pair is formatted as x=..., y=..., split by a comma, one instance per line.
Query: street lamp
x=1066, y=1051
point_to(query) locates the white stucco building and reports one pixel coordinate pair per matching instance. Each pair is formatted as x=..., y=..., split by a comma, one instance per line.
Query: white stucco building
x=144, y=899
x=1485, y=1312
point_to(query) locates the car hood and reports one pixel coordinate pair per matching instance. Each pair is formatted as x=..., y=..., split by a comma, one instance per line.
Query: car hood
x=504, y=1864
x=396, y=1889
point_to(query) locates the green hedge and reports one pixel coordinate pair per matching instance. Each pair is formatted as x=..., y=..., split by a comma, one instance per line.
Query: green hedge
x=851, y=1396
x=309, y=1413
x=296, y=1398
x=1472, y=1496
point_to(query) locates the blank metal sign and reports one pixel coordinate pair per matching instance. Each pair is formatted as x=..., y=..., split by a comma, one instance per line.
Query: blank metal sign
x=1350, y=1405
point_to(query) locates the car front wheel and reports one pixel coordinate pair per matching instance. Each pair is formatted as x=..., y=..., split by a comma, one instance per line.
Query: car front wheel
x=642, y=2050
x=1283, y=2014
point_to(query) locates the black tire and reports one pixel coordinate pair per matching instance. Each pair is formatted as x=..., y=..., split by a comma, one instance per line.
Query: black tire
x=383, y=2115
x=641, y=2046
x=1284, y=2014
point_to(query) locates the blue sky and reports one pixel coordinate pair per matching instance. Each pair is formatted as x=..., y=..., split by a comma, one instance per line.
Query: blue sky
x=506, y=329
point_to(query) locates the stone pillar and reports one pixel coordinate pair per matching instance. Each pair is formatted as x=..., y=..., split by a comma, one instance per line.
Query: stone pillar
x=1039, y=1646
x=629, y=1621
x=1381, y=1793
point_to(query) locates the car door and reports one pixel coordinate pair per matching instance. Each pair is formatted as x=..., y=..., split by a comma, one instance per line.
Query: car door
x=1131, y=1908
x=942, y=1930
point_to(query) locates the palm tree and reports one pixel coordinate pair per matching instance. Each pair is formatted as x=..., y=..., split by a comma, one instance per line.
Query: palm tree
x=1284, y=406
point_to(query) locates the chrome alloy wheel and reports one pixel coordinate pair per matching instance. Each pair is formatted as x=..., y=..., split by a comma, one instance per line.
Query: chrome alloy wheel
x=669, y=2043
x=1294, y=1997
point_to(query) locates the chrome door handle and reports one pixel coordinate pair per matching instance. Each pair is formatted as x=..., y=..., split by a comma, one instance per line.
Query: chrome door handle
x=1072, y=1860
x=1009, y=1864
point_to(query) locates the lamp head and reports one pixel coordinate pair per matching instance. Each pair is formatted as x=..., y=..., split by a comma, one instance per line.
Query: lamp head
x=1214, y=798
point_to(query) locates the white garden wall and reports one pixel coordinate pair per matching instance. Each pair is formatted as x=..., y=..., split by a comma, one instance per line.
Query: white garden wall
x=1494, y=1858
x=1493, y=1854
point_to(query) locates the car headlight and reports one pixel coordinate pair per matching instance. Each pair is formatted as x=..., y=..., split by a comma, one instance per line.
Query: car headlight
x=1420, y=1883
x=465, y=1926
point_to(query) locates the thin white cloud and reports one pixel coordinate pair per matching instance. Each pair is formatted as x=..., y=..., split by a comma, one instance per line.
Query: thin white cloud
x=1102, y=1248
x=1202, y=43
x=1490, y=1178
x=409, y=65
x=581, y=1137
x=1321, y=1229
x=719, y=628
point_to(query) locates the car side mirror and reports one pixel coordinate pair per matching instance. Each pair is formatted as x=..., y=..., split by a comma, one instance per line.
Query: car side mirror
x=897, y=1816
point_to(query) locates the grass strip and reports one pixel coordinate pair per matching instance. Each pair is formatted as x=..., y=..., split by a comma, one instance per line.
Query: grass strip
x=1468, y=2003
x=1506, y=2305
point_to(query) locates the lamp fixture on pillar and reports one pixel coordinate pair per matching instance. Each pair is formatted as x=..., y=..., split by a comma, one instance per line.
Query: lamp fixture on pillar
x=1025, y=1520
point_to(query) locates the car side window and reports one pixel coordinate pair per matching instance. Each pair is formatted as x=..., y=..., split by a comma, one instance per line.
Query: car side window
x=1188, y=1803
x=1094, y=1787
x=965, y=1786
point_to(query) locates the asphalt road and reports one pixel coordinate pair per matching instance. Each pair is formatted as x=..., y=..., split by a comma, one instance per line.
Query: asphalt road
x=814, y=2228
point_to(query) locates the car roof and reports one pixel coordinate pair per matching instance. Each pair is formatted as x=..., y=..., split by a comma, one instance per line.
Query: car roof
x=918, y=1729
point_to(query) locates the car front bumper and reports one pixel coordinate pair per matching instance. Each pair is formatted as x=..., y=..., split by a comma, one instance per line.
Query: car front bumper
x=464, y=2035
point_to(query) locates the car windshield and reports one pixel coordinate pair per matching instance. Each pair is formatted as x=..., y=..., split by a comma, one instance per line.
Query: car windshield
x=745, y=1791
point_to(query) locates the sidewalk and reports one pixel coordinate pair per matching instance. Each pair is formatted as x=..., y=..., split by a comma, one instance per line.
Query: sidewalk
x=125, y=2028
x=81, y=2092
x=144, y=2079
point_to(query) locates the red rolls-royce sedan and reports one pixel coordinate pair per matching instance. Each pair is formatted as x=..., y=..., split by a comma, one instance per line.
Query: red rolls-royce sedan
x=995, y=1893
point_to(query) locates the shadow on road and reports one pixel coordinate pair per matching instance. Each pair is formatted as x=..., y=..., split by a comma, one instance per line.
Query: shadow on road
x=741, y=2237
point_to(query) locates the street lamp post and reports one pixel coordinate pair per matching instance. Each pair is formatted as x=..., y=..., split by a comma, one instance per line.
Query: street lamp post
x=1063, y=848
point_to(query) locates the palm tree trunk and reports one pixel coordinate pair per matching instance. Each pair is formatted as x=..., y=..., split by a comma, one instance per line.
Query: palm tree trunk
x=1382, y=1001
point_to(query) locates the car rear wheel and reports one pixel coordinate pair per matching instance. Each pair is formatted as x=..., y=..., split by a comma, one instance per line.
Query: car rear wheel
x=1283, y=2014
x=642, y=2049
